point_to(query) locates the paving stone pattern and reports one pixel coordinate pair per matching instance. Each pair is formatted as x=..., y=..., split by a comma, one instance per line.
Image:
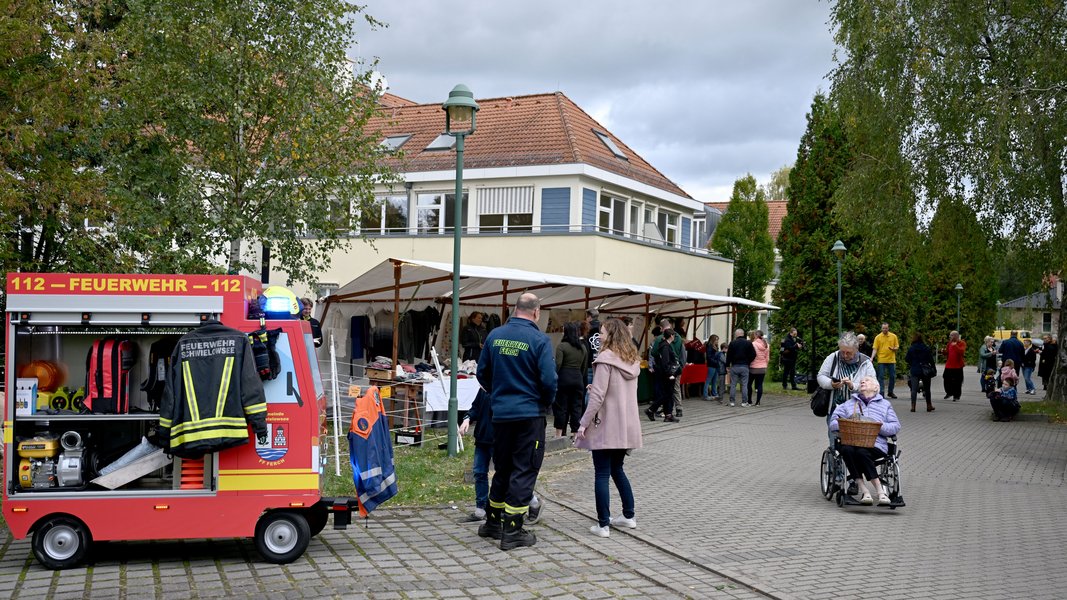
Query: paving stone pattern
x=735, y=490
x=728, y=506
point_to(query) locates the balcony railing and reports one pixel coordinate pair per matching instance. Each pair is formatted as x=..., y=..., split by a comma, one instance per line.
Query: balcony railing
x=549, y=230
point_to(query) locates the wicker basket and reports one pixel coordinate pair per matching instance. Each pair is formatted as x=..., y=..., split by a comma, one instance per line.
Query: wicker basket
x=859, y=432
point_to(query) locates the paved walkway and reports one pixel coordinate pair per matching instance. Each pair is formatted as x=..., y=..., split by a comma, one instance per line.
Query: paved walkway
x=728, y=507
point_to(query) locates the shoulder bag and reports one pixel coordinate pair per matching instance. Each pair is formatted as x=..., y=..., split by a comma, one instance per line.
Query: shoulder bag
x=929, y=371
x=820, y=400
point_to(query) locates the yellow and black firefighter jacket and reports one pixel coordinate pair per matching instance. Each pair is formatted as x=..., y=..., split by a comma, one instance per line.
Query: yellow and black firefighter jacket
x=212, y=393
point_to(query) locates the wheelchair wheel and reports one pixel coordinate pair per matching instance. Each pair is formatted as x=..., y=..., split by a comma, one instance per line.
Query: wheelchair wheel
x=889, y=474
x=826, y=474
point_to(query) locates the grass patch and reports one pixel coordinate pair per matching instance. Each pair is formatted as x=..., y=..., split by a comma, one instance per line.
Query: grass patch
x=1056, y=410
x=425, y=475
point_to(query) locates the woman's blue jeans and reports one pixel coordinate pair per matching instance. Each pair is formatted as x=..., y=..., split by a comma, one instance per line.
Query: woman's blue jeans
x=1027, y=372
x=608, y=463
x=712, y=382
x=482, y=456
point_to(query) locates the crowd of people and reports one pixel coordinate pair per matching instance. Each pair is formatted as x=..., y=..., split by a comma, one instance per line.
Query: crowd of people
x=589, y=382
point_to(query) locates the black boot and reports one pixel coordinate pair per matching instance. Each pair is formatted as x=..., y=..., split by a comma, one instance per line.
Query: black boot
x=492, y=528
x=514, y=535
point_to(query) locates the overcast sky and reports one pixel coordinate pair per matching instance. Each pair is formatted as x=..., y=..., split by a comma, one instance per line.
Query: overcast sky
x=705, y=90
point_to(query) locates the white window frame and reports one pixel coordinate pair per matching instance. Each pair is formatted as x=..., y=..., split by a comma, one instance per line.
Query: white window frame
x=670, y=230
x=635, y=224
x=609, y=206
x=380, y=228
x=440, y=206
x=506, y=223
x=696, y=231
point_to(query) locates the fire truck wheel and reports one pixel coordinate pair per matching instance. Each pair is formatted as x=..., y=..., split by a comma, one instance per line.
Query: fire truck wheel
x=281, y=537
x=317, y=519
x=61, y=542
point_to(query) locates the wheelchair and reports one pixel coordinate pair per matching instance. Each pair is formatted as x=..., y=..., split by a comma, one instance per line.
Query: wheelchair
x=833, y=476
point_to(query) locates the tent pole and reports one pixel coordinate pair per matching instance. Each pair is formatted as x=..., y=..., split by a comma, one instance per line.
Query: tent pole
x=396, y=310
x=693, y=325
x=503, y=300
x=648, y=317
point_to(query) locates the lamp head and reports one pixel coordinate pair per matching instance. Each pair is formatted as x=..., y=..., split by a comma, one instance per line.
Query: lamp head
x=838, y=249
x=460, y=109
x=959, y=287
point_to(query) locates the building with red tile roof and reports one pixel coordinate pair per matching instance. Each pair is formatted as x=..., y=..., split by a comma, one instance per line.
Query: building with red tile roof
x=547, y=188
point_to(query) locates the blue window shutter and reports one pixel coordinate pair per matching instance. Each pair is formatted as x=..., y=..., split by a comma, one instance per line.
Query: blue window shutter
x=588, y=209
x=555, y=209
x=687, y=225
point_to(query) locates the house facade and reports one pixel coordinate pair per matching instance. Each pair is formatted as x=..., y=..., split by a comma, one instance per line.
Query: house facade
x=1039, y=312
x=545, y=188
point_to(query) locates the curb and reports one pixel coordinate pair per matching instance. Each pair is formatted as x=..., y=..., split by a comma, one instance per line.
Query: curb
x=1040, y=418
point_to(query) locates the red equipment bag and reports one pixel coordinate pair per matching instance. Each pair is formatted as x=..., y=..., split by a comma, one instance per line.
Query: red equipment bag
x=107, y=376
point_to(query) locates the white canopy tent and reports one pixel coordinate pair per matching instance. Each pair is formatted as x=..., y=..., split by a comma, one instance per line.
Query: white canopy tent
x=405, y=283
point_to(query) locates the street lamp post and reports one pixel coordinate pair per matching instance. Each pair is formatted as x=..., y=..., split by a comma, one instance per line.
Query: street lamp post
x=998, y=315
x=460, y=110
x=839, y=252
x=959, y=289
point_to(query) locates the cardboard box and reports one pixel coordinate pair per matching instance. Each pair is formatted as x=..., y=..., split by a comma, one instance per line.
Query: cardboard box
x=386, y=374
x=25, y=396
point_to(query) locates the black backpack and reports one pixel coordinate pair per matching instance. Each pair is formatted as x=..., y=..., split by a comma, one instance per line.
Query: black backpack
x=159, y=355
x=264, y=350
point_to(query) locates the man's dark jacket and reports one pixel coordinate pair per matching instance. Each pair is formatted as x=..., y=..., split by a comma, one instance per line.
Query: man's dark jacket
x=740, y=353
x=1012, y=348
x=518, y=368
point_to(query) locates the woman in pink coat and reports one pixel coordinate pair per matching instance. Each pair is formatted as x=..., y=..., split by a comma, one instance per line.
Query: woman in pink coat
x=611, y=426
x=757, y=370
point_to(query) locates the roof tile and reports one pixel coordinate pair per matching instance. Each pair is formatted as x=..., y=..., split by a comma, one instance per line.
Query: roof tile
x=539, y=129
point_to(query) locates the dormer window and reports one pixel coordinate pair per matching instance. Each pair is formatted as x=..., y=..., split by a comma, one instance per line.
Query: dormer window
x=610, y=144
x=394, y=142
x=442, y=142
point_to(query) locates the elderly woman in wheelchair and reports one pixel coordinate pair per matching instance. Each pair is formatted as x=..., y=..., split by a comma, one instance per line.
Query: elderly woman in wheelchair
x=874, y=466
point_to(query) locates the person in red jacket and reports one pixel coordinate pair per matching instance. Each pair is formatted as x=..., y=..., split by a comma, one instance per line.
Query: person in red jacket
x=954, y=366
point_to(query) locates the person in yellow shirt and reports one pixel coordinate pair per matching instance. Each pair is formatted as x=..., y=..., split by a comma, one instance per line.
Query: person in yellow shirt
x=886, y=345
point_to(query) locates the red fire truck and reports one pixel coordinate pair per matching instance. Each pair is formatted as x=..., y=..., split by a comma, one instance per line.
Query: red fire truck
x=69, y=478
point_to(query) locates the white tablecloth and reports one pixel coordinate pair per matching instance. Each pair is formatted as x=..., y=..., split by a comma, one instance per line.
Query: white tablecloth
x=436, y=396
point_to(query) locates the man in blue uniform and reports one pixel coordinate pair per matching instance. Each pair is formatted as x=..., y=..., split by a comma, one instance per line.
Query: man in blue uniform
x=518, y=369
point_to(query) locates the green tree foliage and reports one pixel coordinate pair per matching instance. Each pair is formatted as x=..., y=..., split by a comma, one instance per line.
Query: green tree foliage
x=50, y=184
x=778, y=186
x=806, y=294
x=240, y=124
x=742, y=236
x=955, y=253
x=972, y=98
x=876, y=286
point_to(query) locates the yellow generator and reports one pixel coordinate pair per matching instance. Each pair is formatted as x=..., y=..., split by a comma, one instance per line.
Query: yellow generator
x=43, y=466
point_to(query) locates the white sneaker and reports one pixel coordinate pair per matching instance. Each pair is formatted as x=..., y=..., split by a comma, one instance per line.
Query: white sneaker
x=746, y=404
x=599, y=531
x=623, y=522
x=866, y=499
x=732, y=404
x=883, y=500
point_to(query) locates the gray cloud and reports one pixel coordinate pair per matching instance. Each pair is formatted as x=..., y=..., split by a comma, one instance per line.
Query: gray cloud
x=706, y=91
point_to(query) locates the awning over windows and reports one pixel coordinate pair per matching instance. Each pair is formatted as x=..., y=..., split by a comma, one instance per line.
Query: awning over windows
x=505, y=200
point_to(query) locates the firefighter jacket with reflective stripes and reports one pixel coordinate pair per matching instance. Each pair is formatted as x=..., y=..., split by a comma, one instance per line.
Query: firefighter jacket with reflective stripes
x=212, y=392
